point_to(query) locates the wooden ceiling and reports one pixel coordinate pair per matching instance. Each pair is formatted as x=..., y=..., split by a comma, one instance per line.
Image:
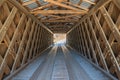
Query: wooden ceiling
x=58, y=15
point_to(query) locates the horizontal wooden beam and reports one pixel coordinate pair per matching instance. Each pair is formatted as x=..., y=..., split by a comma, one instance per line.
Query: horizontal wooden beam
x=47, y=15
x=59, y=20
x=59, y=25
x=59, y=12
x=61, y=17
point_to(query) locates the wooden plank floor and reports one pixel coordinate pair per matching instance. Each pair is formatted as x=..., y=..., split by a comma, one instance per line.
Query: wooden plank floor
x=60, y=63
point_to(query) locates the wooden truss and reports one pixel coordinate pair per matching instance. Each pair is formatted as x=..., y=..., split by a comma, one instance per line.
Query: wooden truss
x=98, y=36
x=20, y=38
x=23, y=36
x=56, y=8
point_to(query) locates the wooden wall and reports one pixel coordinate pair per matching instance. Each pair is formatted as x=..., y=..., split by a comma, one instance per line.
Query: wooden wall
x=97, y=36
x=22, y=37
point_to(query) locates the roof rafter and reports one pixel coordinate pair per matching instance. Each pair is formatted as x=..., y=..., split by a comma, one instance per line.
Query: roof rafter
x=77, y=6
x=45, y=6
x=42, y=7
x=62, y=5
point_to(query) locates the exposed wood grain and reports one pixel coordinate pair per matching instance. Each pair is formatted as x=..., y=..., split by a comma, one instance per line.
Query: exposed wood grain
x=7, y=24
x=59, y=12
x=62, y=5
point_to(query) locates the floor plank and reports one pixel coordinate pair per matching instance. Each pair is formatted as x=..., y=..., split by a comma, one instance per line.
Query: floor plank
x=60, y=63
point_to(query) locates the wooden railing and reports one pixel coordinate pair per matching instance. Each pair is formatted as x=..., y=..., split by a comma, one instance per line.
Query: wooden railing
x=97, y=36
x=22, y=37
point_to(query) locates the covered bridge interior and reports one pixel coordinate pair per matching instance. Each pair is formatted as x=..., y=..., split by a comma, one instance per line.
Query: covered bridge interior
x=91, y=51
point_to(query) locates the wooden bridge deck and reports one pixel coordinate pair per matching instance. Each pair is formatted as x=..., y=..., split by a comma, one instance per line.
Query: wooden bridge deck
x=60, y=63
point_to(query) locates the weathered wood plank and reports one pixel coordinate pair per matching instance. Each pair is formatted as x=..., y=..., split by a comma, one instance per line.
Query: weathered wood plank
x=98, y=46
x=11, y=44
x=59, y=12
x=17, y=5
x=93, y=10
x=91, y=45
x=117, y=3
x=113, y=59
x=85, y=41
x=28, y=44
x=7, y=24
x=32, y=45
x=111, y=24
x=62, y=5
x=21, y=44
